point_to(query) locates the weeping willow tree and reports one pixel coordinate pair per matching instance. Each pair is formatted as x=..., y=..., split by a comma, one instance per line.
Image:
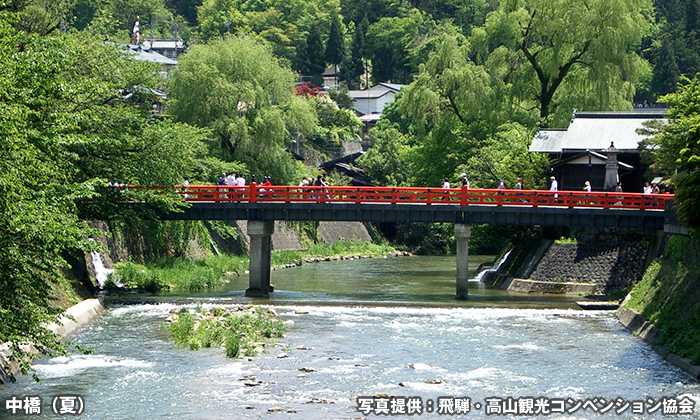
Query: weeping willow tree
x=455, y=117
x=239, y=90
x=580, y=54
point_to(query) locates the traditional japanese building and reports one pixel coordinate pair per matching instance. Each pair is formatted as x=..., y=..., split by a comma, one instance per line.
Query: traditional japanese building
x=581, y=152
x=370, y=103
x=374, y=99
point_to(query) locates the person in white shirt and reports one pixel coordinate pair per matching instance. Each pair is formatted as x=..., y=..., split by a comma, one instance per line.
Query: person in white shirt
x=240, y=181
x=230, y=182
x=554, y=187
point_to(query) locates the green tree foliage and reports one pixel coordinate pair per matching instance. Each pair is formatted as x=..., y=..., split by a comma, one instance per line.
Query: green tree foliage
x=239, y=90
x=390, y=41
x=335, y=124
x=676, y=50
x=356, y=10
x=465, y=14
x=115, y=19
x=71, y=117
x=37, y=214
x=458, y=114
x=387, y=161
x=580, y=54
x=284, y=24
x=675, y=148
x=356, y=68
x=313, y=60
x=185, y=8
x=335, y=46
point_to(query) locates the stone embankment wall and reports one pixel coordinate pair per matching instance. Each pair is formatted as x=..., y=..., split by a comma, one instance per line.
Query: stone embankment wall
x=610, y=267
x=601, y=261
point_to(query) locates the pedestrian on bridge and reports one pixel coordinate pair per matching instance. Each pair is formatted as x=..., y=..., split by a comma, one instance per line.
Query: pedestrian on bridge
x=465, y=180
x=221, y=181
x=519, y=186
x=554, y=187
x=230, y=183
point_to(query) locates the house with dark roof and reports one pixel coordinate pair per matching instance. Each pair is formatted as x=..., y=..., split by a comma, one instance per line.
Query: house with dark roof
x=581, y=152
x=369, y=103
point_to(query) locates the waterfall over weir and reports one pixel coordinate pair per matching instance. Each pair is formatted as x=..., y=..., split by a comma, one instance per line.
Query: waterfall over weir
x=480, y=275
x=101, y=272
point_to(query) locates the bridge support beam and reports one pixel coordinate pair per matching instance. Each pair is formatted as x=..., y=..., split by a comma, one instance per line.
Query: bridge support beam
x=462, y=234
x=260, y=233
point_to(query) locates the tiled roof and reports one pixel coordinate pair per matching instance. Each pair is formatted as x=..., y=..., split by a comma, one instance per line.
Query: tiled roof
x=596, y=131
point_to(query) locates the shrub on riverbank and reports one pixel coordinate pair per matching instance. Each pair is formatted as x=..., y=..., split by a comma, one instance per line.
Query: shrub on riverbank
x=669, y=297
x=178, y=274
x=243, y=329
x=182, y=274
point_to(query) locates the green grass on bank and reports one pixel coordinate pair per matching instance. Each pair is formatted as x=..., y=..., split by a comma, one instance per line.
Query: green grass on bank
x=182, y=274
x=669, y=297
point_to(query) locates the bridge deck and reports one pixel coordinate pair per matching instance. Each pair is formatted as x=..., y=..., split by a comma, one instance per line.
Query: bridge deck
x=394, y=204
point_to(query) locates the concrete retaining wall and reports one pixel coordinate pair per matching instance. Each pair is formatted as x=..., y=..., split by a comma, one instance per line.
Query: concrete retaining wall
x=645, y=330
x=83, y=313
x=533, y=286
x=332, y=232
x=286, y=239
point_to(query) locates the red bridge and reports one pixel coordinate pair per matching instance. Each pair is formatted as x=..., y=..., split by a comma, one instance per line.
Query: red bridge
x=261, y=206
x=425, y=196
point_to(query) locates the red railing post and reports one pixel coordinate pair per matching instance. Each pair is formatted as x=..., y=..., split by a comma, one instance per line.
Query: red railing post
x=464, y=199
x=253, y=197
x=287, y=199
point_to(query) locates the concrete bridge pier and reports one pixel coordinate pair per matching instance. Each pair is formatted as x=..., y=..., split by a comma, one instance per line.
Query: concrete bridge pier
x=260, y=233
x=462, y=234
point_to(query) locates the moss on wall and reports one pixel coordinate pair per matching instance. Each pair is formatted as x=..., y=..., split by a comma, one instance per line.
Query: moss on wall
x=669, y=297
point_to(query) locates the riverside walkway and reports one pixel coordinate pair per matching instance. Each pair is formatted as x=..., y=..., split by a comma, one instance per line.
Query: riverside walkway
x=261, y=206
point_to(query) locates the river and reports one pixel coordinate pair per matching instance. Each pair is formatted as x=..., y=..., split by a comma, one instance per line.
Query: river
x=388, y=326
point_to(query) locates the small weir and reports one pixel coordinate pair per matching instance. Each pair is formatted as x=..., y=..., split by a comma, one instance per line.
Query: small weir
x=480, y=275
x=101, y=272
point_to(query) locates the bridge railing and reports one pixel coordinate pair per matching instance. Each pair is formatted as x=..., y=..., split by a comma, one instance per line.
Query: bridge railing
x=422, y=195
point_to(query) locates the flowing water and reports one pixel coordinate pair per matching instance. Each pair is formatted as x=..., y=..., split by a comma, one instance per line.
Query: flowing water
x=389, y=326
